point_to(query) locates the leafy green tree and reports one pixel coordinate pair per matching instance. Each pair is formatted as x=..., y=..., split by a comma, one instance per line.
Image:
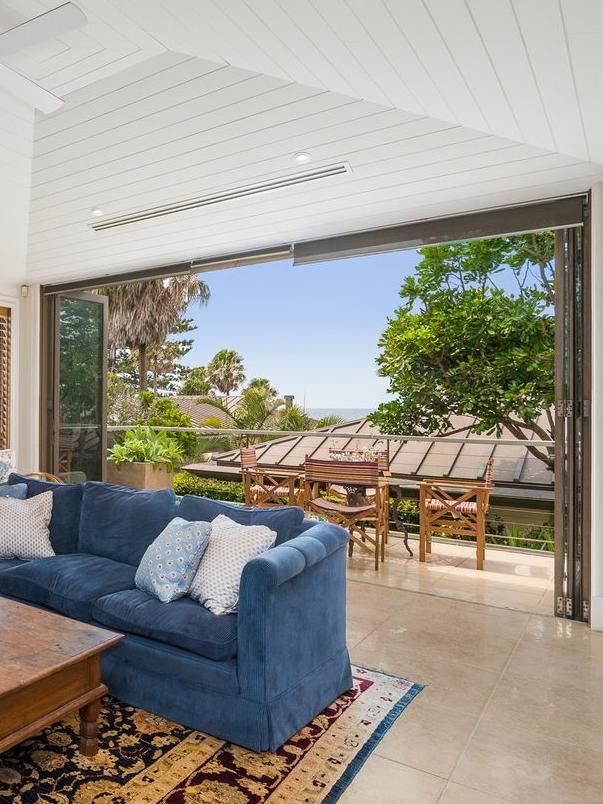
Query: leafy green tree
x=464, y=343
x=226, y=371
x=196, y=382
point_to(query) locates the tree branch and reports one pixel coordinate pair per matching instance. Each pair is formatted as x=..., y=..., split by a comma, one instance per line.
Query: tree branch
x=548, y=458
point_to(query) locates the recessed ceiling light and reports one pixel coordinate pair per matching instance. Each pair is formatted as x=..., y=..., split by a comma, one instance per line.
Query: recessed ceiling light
x=303, y=156
x=96, y=212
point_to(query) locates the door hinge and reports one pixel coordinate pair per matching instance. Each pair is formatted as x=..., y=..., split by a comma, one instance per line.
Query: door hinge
x=586, y=611
x=565, y=607
x=564, y=408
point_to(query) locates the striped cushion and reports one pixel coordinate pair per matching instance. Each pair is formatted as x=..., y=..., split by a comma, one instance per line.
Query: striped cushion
x=466, y=507
x=278, y=490
x=337, y=508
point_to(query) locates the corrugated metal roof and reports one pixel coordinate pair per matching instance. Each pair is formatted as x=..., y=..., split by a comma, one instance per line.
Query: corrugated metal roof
x=513, y=465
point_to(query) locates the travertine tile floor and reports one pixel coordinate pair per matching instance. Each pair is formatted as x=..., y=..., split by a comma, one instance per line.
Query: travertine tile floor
x=513, y=707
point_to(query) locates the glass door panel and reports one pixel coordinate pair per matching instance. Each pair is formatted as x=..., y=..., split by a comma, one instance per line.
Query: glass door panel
x=572, y=417
x=80, y=371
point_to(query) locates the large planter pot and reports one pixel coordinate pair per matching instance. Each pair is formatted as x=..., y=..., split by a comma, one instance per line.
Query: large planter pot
x=140, y=475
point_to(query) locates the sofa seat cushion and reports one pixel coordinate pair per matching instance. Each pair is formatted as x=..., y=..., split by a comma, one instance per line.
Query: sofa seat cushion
x=68, y=584
x=285, y=520
x=66, y=504
x=182, y=623
x=9, y=563
x=120, y=523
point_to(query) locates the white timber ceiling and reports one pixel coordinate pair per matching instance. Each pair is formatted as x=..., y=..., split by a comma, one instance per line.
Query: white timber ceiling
x=438, y=107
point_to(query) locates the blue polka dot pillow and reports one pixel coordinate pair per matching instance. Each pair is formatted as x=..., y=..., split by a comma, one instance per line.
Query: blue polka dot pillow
x=170, y=563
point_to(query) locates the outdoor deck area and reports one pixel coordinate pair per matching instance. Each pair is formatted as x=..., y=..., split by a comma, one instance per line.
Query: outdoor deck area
x=512, y=710
x=511, y=579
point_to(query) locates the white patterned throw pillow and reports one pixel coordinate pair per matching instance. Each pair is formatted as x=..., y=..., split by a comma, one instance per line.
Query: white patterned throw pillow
x=231, y=546
x=24, y=527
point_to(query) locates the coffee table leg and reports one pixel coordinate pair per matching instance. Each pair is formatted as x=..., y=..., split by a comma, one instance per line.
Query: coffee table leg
x=88, y=728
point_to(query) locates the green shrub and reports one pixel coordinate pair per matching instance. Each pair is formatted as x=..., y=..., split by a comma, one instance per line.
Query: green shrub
x=162, y=412
x=227, y=490
x=408, y=511
x=143, y=445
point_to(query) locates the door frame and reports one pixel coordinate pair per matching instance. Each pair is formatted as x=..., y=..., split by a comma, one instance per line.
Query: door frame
x=569, y=213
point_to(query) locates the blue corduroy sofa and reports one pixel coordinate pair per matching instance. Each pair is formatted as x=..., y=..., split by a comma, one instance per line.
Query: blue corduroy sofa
x=254, y=678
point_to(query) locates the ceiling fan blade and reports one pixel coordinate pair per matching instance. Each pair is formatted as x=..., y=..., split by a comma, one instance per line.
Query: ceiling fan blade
x=52, y=23
x=28, y=92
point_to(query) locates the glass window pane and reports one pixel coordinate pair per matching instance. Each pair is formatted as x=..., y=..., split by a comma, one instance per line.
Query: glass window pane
x=80, y=389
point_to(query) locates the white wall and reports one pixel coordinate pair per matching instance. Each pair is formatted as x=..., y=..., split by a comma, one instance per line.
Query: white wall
x=16, y=141
x=597, y=409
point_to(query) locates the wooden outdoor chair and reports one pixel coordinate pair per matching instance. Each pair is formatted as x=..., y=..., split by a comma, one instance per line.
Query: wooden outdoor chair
x=384, y=471
x=360, y=476
x=44, y=476
x=263, y=488
x=455, y=507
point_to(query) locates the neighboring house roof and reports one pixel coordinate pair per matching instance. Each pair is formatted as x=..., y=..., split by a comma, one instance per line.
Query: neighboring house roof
x=514, y=465
x=200, y=411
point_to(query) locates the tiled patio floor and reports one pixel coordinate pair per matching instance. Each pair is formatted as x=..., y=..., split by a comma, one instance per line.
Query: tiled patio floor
x=513, y=708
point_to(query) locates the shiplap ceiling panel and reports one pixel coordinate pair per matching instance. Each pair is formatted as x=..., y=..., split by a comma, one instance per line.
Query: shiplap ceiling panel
x=345, y=130
x=499, y=29
x=438, y=106
x=473, y=150
x=457, y=27
x=107, y=45
x=311, y=207
x=550, y=59
x=257, y=234
x=398, y=49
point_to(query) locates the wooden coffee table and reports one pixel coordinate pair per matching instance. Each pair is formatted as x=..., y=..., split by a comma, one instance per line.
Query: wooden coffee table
x=49, y=667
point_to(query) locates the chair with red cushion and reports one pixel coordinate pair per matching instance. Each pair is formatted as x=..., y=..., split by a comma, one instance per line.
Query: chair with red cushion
x=456, y=508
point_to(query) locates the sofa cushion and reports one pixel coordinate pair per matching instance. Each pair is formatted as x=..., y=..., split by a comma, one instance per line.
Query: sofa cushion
x=16, y=490
x=231, y=546
x=66, y=504
x=181, y=623
x=120, y=523
x=8, y=563
x=286, y=520
x=169, y=565
x=68, y=584
x=24, y=527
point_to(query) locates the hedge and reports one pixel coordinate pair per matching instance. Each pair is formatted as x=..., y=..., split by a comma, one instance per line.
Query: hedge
x=228, y=490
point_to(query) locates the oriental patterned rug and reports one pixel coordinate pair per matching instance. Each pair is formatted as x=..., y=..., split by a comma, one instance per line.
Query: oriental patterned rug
x=145, y=759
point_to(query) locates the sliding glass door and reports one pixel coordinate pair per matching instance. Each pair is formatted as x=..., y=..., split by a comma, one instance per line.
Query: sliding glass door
x=76, y=385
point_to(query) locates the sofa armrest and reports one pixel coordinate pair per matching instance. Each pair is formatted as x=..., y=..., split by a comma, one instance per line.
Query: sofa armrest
x=292, y=611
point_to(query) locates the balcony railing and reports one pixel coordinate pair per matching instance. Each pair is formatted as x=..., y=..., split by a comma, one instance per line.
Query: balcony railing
x=501, y=530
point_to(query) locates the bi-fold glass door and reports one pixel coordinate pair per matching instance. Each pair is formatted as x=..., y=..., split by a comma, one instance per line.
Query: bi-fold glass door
x=572, y=424
x=76, y=375
x=74, y=417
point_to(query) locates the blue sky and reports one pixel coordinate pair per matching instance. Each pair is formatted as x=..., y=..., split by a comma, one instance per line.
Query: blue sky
x=312, y=330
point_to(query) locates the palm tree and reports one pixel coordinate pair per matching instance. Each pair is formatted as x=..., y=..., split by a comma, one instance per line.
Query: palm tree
x=256, y=410
x=263, y=384
x=226, y=371
x=142, y=314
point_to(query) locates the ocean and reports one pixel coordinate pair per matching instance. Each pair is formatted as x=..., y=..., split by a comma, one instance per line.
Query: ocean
x=347, y=414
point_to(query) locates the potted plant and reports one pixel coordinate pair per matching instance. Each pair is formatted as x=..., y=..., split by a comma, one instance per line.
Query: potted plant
x=146, y=459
